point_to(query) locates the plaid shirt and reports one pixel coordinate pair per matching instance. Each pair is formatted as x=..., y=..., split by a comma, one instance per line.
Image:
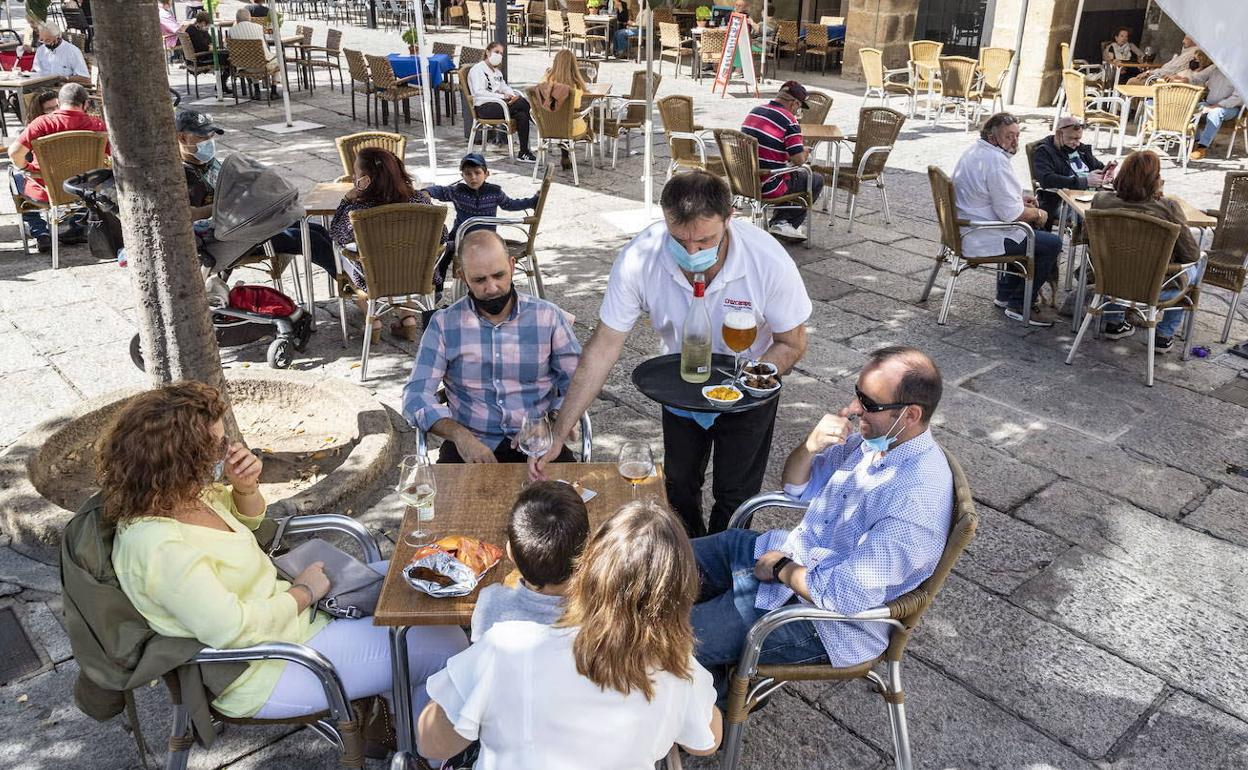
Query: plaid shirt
x=494, y=375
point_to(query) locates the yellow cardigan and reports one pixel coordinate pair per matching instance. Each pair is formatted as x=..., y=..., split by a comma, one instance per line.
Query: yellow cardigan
x=218, y=587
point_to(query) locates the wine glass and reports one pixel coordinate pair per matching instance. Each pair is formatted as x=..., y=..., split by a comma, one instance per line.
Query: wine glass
x=534, y=438
x=636, y=463
x=739, y=331
x=418, y=488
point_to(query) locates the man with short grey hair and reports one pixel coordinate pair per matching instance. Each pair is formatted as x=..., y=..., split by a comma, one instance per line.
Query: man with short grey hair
x=59, y=57
x=988, y=190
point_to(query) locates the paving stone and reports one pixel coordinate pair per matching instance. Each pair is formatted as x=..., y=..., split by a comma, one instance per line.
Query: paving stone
x=1006, y=552
x=1189, y=643
x=955, y=363
x=830, y=322
x=878, y=307
x=1053, y=679
x=43, y=626
x=996, y=478
x=299, y=751
x=46, y=325
x=824, y=288
x=1186, y=733
x=905, y=257
x=42, y=393
x=17, y=354
x=1179, y=557
x=99, y=369
x=1199, y=449
x=9, y=589
x=28, y=573
x=1223, y=514
x=949, y=725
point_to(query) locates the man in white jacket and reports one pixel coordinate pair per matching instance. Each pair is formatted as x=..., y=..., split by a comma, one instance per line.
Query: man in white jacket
x=490, y=93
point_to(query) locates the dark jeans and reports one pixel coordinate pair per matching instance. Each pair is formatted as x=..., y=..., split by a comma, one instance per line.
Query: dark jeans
x=725, y=610
x=289, y=241
x=797, y=182
x=741, y=443
x=622, y=36
x=519, y=111
x=35, y=223
x=504, y=453
x=1010, y=286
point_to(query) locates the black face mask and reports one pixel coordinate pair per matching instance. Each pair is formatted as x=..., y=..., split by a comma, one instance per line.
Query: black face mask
x=495, y=305
x=52, y=46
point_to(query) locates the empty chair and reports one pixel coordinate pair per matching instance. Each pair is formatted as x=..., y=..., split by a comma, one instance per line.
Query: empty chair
x=1173, y=117
x=389, y=88
x=880, y=81
x=924, y=67
x=877, y=132
x=686, y=141
x=994, y=65
x=671, y=43
x=629, y=113
x=1078, y=104
x=361, y=83
x=1228, y=255
x=957, y=89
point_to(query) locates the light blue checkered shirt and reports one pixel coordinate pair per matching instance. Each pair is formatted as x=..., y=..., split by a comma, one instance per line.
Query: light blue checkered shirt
x=875, y=528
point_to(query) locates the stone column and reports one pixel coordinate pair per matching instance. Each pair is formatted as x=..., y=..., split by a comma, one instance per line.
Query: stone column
x=1048, y=24
x=884, y=24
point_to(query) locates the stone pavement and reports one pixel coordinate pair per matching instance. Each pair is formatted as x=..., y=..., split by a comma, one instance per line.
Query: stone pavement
x=1097, y=619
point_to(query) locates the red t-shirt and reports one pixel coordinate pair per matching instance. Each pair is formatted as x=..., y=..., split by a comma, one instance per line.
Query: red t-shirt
x=46, y=125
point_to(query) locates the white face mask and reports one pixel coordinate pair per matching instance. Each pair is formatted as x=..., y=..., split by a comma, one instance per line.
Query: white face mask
x=495, y=59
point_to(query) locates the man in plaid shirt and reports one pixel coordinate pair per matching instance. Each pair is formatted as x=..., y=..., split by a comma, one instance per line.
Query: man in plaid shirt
x=501, y=356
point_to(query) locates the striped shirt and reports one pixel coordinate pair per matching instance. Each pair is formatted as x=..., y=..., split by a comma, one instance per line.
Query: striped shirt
x=494, y=375
x=779, y=138
x=875, y=528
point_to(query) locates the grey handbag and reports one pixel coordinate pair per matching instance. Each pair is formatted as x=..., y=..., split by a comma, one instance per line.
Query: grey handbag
x=354, y=586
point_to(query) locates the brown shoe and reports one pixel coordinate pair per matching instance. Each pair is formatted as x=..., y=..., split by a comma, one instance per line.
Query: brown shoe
x=409, y=332
x=1198, y=154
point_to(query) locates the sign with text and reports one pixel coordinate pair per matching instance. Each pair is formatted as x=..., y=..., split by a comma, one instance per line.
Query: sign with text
x=737, y=40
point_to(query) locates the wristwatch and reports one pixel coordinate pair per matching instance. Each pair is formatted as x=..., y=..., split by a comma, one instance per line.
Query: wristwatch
x=779, y=566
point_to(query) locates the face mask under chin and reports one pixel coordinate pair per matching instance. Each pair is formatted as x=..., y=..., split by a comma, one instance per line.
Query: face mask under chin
x=495, y=305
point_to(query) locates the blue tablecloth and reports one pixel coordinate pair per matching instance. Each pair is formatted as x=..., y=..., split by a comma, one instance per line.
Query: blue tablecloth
x=835, y=32
x=405, y=66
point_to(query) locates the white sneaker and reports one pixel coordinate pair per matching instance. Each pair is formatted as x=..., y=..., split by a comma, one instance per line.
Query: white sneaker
x=785, y=229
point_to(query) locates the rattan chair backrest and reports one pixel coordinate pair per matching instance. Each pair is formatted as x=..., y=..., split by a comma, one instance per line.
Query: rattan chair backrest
x=944, y=198
x=1232, y=232
x=663, y=16
x=476, y=15
x=305, y=33
x=399, y=245
x=382, y=71
x=578, y=6
x=333, y=41
x=712, y=44
x=637, y=90
x=995, y=63
x=248, y=56
x=817, y=106
x=350, y=145
x=447, y=49
x=1174, y=106
x=552, y=124
x=909, y=607
x=926, y=52
x=67, y=154
x=357, y=65
x=542, y=194
x=1030, y=148
x=669, y=34
x=576, y=24
x=1074, y=84
x=877, y=127
x=957, y=76
x=554, y=22
x=676, y=112
x=190, y=58
x=1130, y=251
x=787, y=33
x=872, y=66
x=740, y=154
x=470, y=56
x=1067, y=62
x=817, y=39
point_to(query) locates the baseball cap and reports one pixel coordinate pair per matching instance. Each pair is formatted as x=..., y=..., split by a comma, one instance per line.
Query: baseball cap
x=473, y=159
x=1066, y=121
x=796, y=90
x=198, y=123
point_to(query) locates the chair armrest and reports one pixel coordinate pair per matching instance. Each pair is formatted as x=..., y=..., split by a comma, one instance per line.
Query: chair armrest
x=744, y=514
x=747, y=665
x=329, y=522
x=335, y=693
x=697, y=140
x=1115, y=100
x=1028, y=232
x=408, y=79
x=472, y=222
x=898, y=71
x=862, y=164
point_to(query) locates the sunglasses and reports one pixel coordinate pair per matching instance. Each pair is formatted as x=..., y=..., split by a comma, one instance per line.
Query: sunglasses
x=870, y=405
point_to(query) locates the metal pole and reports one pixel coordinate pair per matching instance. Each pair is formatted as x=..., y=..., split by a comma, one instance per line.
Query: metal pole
x=648, y=129
x=281, y=62
x=426, y=92
x=1074, y=30
x=762, y=76
x=1018, y=49
x=500, y=28
x=213, y=31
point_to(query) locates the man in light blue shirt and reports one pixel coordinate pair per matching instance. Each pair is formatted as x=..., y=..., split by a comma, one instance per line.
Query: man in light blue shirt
x=880, y=506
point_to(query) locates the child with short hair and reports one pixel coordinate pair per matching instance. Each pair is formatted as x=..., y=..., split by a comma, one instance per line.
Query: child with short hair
x=546, y=531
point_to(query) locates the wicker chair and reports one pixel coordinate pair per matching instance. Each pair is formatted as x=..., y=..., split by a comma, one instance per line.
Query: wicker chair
x=686, y=141
x=951, y=230
x=957, y=89
x=62, y=156
x=877, y=132
x=751, y=682
x=350, y=145
x=710, y=48
x=630, y=113
x=327, y=57
x=994, y=65
x=191, y=63
x=880, y=80
x=388, y=88
x=399, y=245
x=251, y=64
x=481, y=125
x=448, y=87
x=788, y=40
x=556, y=30
x=1240, y=127
x=469, y=56
x=1228, y=256
x=663, y=15
x=557, y=129
x=1131, y=255
x=1080, y=106
x=746, y=178
x=477, y=22
x=1094, y=74
x=1173, y=116
x=818, y=104
x=578, y=32
x=816, y=44
x=924, y=65
x=361, y=83
x=671, y=43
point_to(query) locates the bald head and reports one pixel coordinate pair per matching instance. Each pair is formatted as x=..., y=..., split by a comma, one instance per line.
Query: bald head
x=916, y=377
x=483, y=263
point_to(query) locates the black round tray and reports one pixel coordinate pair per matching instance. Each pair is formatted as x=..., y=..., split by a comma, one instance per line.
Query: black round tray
x=659, y=380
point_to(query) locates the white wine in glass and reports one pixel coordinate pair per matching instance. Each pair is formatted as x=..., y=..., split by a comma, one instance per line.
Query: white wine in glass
x=636, y=463
x=418, y=488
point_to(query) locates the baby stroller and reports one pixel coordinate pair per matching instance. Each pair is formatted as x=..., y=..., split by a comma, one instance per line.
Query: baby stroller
x=98, y=192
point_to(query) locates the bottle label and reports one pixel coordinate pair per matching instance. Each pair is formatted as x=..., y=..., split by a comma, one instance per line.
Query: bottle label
x=702, y=369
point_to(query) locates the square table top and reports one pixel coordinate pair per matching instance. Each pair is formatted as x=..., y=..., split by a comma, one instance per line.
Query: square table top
x=597, y=89
x=820, y=132
x=1195, y=217
x=14, y=80
x=474, y=499
x=324, y=198
x=1137, y=91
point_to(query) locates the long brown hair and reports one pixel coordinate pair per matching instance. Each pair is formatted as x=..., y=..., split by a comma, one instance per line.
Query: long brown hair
x=388, y=180
x=159, y=451
x=564, y=70
x=631, y=596
x=1139, y=177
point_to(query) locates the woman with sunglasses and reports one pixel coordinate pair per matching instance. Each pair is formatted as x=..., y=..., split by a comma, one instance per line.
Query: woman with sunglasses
x=185, y=501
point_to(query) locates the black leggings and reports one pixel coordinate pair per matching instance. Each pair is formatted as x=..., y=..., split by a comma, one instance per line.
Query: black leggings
x=289, y=241
x=519, y=111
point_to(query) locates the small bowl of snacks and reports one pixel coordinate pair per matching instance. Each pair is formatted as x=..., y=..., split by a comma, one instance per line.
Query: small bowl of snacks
x=759, y=386
x=759, y=369
x=722, y=396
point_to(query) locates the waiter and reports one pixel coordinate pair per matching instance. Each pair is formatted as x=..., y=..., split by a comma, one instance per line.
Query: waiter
x=746, y=270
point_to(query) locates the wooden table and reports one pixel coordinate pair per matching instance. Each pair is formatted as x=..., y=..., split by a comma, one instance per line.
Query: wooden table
x=828, y=135
x=475, y=500
x=24, y=86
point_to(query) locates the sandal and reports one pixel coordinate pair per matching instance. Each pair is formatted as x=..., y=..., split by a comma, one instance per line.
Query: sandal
x=409, y=332
x=376, y=333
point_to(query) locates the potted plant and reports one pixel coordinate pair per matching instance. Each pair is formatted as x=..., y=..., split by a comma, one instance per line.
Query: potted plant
x=409, y=37
x=593, y=5
x=702, y=14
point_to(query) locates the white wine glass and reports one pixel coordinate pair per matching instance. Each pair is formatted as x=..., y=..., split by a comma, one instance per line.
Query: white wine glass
x=418, y=488
x=535, y=438
x=636, y=463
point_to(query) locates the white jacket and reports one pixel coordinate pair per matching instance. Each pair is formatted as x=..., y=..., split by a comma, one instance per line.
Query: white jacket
x=487, y=84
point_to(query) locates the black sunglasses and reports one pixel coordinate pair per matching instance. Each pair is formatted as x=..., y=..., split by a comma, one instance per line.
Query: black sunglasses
x=870, y=405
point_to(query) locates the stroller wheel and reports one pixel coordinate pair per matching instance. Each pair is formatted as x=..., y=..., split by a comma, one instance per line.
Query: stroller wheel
x=303, y=334
x=281, y=353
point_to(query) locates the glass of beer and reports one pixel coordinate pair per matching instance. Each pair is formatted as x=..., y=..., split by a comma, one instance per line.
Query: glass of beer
x=739, y=331
x=636, y=463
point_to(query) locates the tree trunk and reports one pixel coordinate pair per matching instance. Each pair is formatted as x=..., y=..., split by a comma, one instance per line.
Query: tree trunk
x=175, y=328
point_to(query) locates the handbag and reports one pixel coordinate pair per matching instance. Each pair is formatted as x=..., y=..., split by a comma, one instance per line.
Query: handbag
x=354, y=587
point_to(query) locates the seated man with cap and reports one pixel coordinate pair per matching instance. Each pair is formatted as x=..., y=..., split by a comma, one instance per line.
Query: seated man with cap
x=780, y=146
x=1064, y=162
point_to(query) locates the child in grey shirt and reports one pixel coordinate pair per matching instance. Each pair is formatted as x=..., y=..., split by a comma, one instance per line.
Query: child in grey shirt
x=546, y=531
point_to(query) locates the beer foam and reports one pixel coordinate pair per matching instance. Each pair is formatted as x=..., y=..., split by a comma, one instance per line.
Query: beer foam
x=739, y=320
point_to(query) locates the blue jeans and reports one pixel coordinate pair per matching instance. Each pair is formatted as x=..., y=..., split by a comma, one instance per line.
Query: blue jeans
x=1170, y=319
x=1214, y=121
x=622, y=36
x=1010, y=286
x=35, y=223
x=725, y=610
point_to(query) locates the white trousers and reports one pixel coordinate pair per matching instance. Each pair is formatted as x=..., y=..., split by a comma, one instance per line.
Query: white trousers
x=360, y=652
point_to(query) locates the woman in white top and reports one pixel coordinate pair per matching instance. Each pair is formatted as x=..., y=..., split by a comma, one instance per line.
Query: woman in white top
x=612, y=685
x=491, y=92
x=1121, y=49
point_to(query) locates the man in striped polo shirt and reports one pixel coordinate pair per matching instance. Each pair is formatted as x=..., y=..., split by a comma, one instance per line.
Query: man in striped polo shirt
x=774, y=125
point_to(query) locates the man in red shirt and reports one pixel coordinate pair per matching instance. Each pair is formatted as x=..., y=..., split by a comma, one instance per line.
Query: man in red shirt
x=71, y=116
x=780, y=145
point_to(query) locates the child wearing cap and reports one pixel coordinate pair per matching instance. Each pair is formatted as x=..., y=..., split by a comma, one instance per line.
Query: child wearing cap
x=472, y=197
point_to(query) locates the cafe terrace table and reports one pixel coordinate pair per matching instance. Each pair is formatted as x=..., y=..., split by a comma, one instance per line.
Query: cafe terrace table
x=1079, y=202
x=815, y=134
x=1130, y=93
x=474, y=499
x=322, y=201
x=597, y=93
x=24, y=83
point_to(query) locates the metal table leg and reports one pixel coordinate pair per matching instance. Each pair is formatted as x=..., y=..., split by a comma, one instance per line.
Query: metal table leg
x=310, y=298
x=404, y=720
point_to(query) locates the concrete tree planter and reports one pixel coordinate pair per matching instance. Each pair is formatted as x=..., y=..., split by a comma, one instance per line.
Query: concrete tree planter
x=324, y=424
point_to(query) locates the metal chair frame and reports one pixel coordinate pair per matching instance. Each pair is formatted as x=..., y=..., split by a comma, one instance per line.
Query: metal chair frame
x=759, y=207
x=481, y=125
x=880, y=89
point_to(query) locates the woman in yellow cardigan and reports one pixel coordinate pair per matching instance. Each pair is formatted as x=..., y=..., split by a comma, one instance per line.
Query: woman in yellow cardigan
x=561, y=82
x=185, y=500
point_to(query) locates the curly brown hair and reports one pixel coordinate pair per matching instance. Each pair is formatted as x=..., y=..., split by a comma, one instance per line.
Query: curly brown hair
x=159, y=451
